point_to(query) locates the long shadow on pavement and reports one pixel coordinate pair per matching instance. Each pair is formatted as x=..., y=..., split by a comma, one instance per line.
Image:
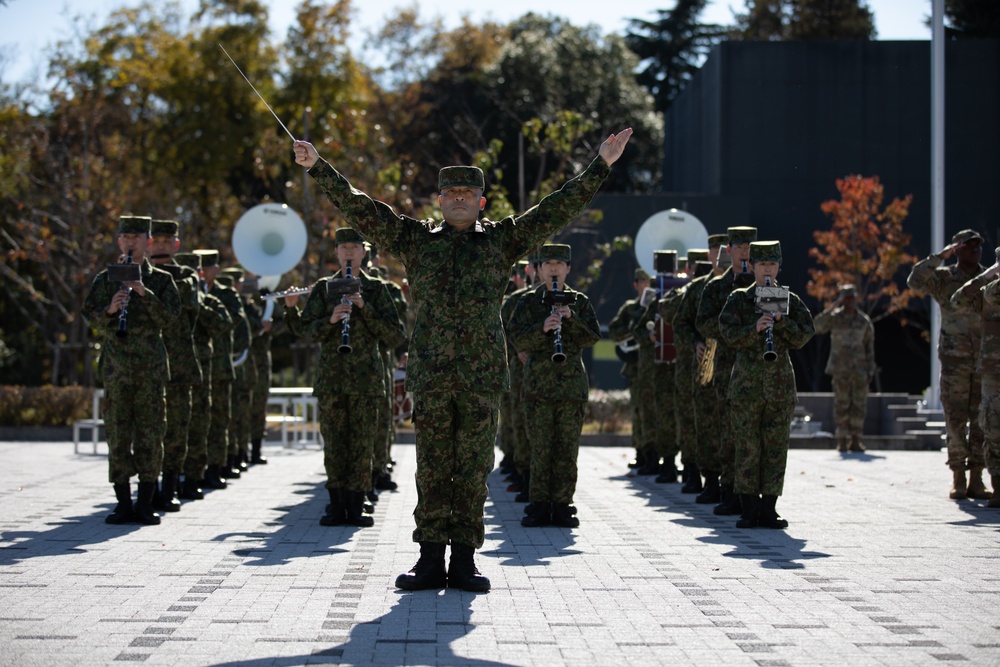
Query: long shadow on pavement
x=390, y=639
x=66, y=537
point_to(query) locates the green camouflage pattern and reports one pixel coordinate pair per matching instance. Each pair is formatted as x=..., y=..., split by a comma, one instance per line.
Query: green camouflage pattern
x=243, y=385
x=349, y=435
x=198, y=428
x=851, y=365
x=618, y=329
x=260, y=349
x=178, y=416
x=179, y=335
x=554, y=432
x=520, y=446
x=761, y=393
x=461, y=175
x=217, y=449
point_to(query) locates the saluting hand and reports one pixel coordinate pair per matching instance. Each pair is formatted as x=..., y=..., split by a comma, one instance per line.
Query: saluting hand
x=305, y=154
x=948, y=251
x=614, y=146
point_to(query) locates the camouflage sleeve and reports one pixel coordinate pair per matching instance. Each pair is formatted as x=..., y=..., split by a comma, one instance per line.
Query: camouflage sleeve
x=796, y=328
x=707, y=321
x=255, y=318
x=640, y=328
x=293, y=322
x=991, y=293
x=555, y=211
x=923, y=277
x=315, y=317
x=824, y=321
x=582, y=330
x=95, y=306
x=164, y=306
x=738, y=322
x=869, y=347
x=382, y=318
x=685, y=331
x=969, y=297
x=214, y=316
x=525, y=327
x=618, y=327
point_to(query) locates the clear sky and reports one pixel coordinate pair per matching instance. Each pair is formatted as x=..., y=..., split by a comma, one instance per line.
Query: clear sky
x=27, y=27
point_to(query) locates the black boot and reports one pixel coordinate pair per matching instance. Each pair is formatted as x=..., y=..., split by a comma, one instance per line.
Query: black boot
x=428, y=572
x=712, y=493
x=564, y=515
x=462, y=572
x=354, y=504
x=230, y=471
x=538, y=513
x=242, y=460
x=255, y=456
x=168, y=493
x=692, y=483
x=191, y=489
x=524, y=489
x=651, y=466
x=668, y=472
x=751, y=511
x=213, y=478
x=730, y=504
x=336, y=514
x=769, y=515
x=144, y=513
x=124, y=511
x=638, y=461
x=382, y=481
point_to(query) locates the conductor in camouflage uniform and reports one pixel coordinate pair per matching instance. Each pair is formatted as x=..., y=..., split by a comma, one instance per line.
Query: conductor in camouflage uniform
x=555, y=392
x=981, y=295
x=131, y=317
x=185, y=371
x=851, y=365
x=762, y=391
x=958, y=351
x=350, y=386
x=457, y=366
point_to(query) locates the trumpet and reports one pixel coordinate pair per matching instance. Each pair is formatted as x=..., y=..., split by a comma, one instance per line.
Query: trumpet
x=122, y=331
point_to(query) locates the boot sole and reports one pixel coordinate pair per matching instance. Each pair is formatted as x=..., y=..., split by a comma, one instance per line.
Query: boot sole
x=407, y=586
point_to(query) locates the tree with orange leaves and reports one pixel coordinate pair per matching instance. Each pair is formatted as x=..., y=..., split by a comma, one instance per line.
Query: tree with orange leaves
x=866, y=247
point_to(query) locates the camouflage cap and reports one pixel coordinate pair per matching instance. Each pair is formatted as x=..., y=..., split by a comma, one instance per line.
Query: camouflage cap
x=558, y=251
x=208, y=257
x=234, y=272
x=716, y=240
x=347, y=235
x=765, y=251
x=966, y=235
x=740, y=235
x=848, y=289
x=640, y=274
x=188, y=259
x=518, y=268
x=461, y=176
x=134, y=224
x=697, y=255
x=164, y=228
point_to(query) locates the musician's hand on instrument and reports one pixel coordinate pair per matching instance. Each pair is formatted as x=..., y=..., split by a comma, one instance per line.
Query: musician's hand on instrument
x=564, y=312
x=357, y=300
x=552, y=322
x=305, y=154
x=341, y=312
x=265, y=325
x=117, y=301
x=137, y=286
x=764, y=322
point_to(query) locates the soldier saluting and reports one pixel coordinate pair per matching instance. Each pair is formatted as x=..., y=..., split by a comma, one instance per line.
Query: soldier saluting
x=457, y=364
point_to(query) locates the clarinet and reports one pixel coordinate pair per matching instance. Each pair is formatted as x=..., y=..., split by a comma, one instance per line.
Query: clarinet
x=558, y=356
x=122, y=331
x=345, y=337
x=769, y=353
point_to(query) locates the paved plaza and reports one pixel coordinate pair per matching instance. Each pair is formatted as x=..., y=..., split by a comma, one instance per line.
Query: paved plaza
x=878, y=567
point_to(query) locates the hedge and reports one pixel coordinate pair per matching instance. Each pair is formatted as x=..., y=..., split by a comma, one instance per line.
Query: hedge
x=44, y=406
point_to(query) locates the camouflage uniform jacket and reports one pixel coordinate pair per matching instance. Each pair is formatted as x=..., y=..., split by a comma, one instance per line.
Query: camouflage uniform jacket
x=620, y=328
x=738, y=330
x=545, y=379
x=852, y=342
x=179, y=336
x=686, y=320
x=981, y=296
x=225, y=343
x=713, y=300
x=213, y=321
x=960, y=331
x=142, y=350
x=458, y=277
x=362, y=370
x=507, y=308
x=647, y=347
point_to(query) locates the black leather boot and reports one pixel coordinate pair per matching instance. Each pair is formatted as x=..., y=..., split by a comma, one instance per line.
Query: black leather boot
x=462, y=572
x=524, y=488
x=255, y=455
x=354, y=505
x=564, y=515
x=191, y=489
x=230, y=470
x=213, y=478
x=428, y=572
x=168, y=493
x=668, y=472
x=712, y=493
x=692, y=481
x=336, y=513
x=123, y=512
x=538, y=513
x=651, y=466
x=769, y=515
x=751, y=510
x=730, y=504
x=144, y=513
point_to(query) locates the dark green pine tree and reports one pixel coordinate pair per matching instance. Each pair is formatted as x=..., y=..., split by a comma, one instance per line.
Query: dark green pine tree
x=781, y=20
x=672, y=48
x=973, y=18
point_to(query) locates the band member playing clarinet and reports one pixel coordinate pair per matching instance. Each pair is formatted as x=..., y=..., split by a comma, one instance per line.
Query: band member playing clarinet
x=762, y=388
x=135, y=370
x=349, y=314
x=554, y=324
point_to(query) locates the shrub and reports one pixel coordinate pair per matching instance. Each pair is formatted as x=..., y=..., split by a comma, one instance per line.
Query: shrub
x=609, y=410
x=44, y=406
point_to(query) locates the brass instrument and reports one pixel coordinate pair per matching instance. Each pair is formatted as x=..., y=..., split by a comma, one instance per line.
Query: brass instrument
x=706, y=367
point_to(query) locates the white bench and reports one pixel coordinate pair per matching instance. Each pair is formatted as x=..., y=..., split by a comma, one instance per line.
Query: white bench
x=284, y=419
x=94, y=424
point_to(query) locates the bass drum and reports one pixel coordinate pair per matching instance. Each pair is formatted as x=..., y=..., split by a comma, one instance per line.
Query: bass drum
x=668, y=230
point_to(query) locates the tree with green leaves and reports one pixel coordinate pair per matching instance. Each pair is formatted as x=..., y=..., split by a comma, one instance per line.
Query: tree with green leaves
x=672, y=48
x=973, y=18
x=789, y=20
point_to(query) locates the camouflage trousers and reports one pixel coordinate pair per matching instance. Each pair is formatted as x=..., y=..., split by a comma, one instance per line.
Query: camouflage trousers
x=380, y=439
x=554, y=430
x=218, y=431
x=645, y=398
x=850, y=393
x=708, y=427
x=687, y=436
x=134, y=419
x=961, y=393
x=456, y=433
x=989, y=418
x=201, y=419
x=519, y=422
x=633, y=404
x=761, y=424
x=723, y=413
x=666, y=412
x=175, y=441
x=258, y=410
x=240, y=415
x=349, y=438
x=506, y=428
